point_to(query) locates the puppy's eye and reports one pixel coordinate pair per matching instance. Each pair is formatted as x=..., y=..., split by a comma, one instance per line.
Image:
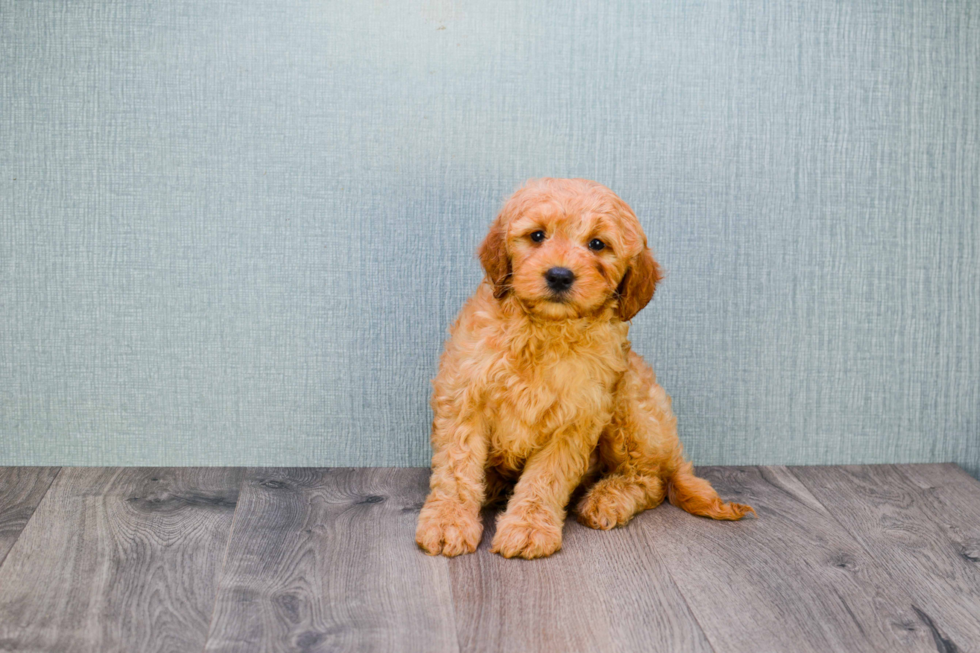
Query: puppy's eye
x=595, y=245
x=537, y=236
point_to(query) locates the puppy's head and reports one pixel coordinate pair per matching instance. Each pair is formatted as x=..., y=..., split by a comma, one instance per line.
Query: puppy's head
x=568, y=248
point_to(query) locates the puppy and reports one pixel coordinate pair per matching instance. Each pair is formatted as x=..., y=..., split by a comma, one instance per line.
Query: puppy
x=538, y=386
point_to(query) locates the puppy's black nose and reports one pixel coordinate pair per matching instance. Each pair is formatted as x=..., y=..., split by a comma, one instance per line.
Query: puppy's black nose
x=559, y=279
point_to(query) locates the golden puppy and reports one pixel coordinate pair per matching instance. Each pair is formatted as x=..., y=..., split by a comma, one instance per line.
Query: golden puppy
x=538, y=384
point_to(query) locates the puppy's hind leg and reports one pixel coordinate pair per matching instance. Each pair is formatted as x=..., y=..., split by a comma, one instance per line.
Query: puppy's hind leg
x=644, y=460
x=615, y=498
x=633, y=449
x=631, y=489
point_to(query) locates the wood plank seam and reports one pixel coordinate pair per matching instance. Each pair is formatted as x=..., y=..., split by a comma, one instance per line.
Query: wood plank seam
x=224, y=557
x=687, y=603
x=452, y=606
x=33, y=512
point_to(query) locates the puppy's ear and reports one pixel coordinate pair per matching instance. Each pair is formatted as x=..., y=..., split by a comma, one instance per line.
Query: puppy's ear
x=493, y=256
x=636, y=288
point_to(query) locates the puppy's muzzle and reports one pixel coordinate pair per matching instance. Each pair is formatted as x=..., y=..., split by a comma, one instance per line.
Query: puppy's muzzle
x=559, y=280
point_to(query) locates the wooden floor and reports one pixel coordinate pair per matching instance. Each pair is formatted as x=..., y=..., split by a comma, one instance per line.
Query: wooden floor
x=870, y=558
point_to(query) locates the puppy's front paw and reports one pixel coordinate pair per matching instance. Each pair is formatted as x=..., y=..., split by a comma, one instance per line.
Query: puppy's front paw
x=526, y=537
x=448, y=528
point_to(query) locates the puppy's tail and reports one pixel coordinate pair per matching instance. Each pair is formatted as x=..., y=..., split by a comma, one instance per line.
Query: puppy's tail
x=696, y=496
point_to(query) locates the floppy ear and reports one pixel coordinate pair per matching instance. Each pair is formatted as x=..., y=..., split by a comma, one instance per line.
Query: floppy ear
x=636, y=288
x=493, y=256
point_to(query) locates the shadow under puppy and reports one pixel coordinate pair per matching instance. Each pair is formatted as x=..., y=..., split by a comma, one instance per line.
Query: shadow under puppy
x=538, y=384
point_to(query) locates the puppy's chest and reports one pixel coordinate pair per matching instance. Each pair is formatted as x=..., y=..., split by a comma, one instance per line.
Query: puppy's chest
x=530, y=400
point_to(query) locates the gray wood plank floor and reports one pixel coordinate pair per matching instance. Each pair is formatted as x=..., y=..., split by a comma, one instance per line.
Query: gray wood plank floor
x=118, y=560
x=21, y=489
x=926, y=536
x=325, y=560
x=866, y=558
x=794, y=574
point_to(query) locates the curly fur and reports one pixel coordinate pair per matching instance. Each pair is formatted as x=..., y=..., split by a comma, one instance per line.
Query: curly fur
x=538, y=391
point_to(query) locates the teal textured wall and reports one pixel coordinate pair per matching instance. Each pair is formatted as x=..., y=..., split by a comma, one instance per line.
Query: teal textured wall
x=235, y=232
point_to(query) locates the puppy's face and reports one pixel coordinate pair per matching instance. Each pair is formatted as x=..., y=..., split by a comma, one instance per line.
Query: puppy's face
x=568, y=248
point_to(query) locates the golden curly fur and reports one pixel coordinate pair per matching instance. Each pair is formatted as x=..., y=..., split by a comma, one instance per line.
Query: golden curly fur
x=539, y=386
